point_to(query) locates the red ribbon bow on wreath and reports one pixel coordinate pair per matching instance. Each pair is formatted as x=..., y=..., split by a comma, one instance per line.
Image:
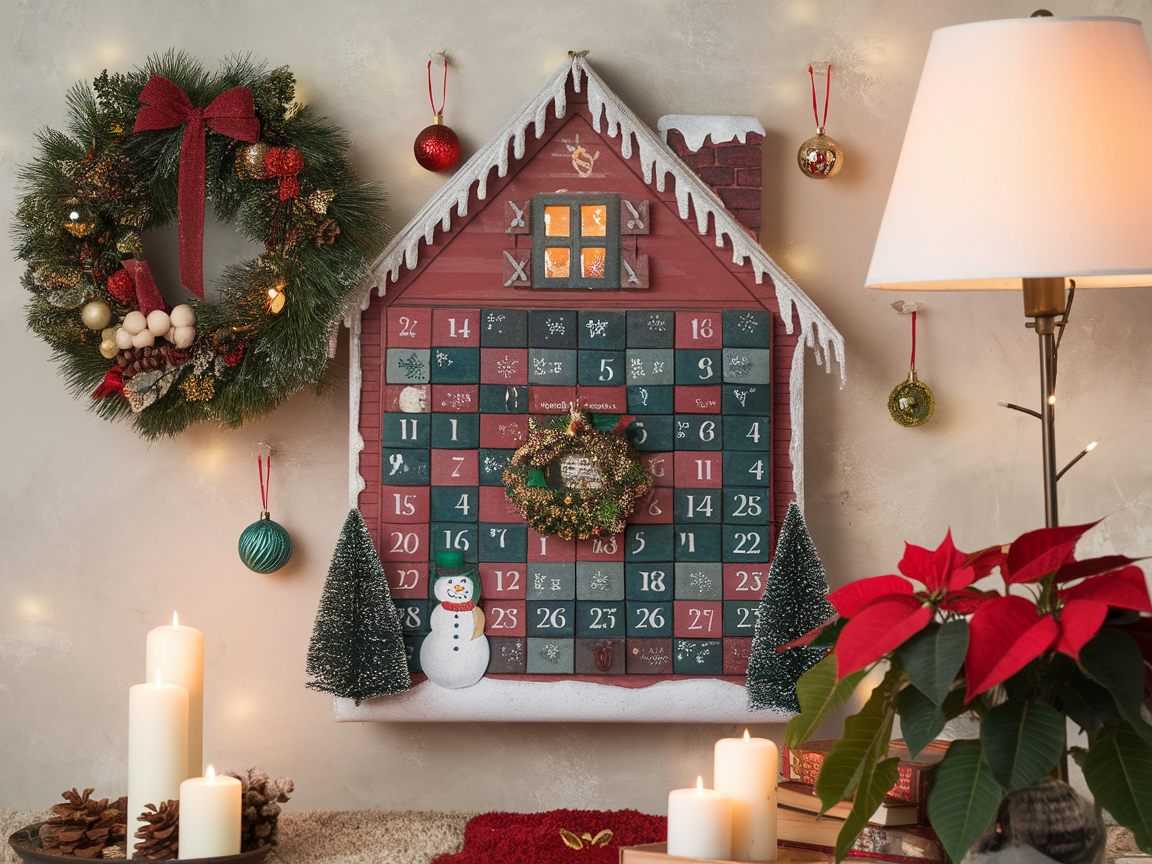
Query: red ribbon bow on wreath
x=232, y=113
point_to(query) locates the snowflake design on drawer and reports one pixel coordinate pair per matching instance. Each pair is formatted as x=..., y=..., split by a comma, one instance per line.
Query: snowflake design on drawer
x=597, y=328
x=507, y=366
x=739, y=365
x=550, y=651
x=412, y=366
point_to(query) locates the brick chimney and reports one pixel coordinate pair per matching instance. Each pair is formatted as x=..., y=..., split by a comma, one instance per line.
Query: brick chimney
x=727, y=153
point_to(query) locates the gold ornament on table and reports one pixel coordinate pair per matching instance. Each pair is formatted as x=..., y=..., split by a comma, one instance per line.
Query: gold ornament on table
x=820, y=156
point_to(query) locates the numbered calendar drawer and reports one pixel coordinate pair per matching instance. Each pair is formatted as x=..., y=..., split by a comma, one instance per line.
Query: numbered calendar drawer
x=405, y=430
x=407, y=580
x=649, y=620
x=699, y=330
x=555, y=581
x=507, y=655
x=661, y=467
x=698, y=470
x=651, y=432
x=548, y=618
x=747, y=469
x=698, y=367
x=746, y=433
x=745, y=582
x=503, y=542
x=542, y=547
x=648, y=543
x=454, y=468
x=746, y=545
x=455, y=503
x=747, y=505
x=649, y=582
x=499, y=581
x=455, y=431
x=698, y=619
x=413, y=616
x=697, y=542
x=504, y=618
x=408, y=504
x=740, y=618
x=697, y=505
x=599, y=619
x=699, y=432
x=454, y=537
x=401, y=542
x=409, y=327
x=601, y=549
x=458, y=328
x=551, y=656
x=406, y=467
x=601, y=369
x=654, y=508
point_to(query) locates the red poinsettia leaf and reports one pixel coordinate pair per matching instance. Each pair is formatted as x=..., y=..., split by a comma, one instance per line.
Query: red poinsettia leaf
x=1034, y=555
x=808, y=637
x=1004, y=635
x=854, y=596
x=933, y=568
x=1080, y=620
x=987, y=560
x=878, y=628
x=1093, y=567
x=1126, y=589
x=966, y=601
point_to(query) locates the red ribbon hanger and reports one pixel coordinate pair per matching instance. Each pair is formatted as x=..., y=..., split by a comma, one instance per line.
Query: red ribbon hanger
x=232, y=113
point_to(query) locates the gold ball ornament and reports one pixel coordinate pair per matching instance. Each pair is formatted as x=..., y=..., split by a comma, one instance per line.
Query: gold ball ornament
x=911, y=402
x=109, y=349
x=250, y=160
x=96, y=315
x=820, y=157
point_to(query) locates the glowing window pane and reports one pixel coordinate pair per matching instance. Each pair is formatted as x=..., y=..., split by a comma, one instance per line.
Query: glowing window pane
x=592, y=262
x=594, y=220
x=556, y=262
x=556, y=222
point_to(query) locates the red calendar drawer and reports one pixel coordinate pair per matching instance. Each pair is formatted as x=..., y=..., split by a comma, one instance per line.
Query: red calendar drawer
x=404, y=503
x=455, y=398
x=606, y=400
x=699, y=329
x=495, y=506
x=403, y=542
x=745, y=581
x=547, y=548
x=409, y=327
x=504, y=618
x=699, y=469
x=459, y=328
x=698, y=619
x=655, y=508
x=697, y=400
x=551, y=400
x=502, y=582
x=503, y=430
x=407, y=580
x=504, y=366
x=455, y=468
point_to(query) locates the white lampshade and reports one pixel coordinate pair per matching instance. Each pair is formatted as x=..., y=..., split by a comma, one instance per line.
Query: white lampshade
x=1027, y=155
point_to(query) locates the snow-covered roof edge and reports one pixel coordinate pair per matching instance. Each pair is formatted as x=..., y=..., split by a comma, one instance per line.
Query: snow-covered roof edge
x=656, y=161
x=696, y=127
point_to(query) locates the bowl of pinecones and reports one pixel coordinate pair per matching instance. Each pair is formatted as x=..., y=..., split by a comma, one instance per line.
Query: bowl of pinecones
x=88, y=827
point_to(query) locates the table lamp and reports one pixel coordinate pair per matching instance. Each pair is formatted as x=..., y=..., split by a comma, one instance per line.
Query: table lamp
x=1025, y=166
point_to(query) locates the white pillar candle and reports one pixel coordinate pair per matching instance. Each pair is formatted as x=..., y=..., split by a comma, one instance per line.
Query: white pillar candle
x=746, y=769
x=699, y=822
x=179, y=651
x=157, y=748
x=209, y=816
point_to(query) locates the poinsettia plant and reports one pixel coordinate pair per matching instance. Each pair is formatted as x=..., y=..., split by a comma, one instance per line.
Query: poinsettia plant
x=1055, y=645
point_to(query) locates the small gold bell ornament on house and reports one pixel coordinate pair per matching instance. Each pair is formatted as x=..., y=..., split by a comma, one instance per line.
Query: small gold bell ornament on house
x=820, y=156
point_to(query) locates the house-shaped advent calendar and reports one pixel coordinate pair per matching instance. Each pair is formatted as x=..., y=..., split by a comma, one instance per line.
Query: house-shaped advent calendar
x=581, y=259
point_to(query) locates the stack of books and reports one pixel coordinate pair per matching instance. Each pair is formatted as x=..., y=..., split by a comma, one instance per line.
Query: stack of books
x=898, y=831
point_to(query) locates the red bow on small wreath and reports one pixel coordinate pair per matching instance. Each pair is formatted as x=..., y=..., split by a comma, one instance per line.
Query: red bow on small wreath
x=232, y=113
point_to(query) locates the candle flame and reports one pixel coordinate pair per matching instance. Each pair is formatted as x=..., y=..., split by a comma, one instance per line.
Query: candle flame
x=747, y=737
x=210, y=774
x=175, y=622
x=158, y=681
x=699, y=785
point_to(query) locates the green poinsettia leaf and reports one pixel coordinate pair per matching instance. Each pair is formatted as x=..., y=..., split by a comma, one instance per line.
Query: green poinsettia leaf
x=1022, y=741
x=820, y=695
x=933, y=657
x=921, y=719
x=866, y=736
x=964, y=797
x=1118, y=769
x=1113, y=660
x=876, y=779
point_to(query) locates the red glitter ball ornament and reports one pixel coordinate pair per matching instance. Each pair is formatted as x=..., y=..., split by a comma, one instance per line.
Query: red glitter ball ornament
x=121, y=286
x=437, y=148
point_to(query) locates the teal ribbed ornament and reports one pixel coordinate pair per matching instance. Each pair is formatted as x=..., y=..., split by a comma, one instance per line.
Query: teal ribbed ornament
x=265, y=546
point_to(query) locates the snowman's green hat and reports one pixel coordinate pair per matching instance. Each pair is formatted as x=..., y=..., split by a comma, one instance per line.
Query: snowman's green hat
x=453, y=564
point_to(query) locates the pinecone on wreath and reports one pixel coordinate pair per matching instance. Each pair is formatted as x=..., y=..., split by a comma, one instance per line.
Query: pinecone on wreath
x=261, y=800
x=133, y=361
x=84, y=826
x=160, y=838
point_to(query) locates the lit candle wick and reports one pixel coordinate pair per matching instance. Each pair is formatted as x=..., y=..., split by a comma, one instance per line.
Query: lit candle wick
x=747, y=737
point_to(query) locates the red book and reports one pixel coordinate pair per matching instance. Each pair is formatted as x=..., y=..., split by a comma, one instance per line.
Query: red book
x=803, y=764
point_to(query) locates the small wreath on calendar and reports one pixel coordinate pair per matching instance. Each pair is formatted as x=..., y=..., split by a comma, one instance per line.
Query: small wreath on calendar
x=577, y=476
x=148, y=148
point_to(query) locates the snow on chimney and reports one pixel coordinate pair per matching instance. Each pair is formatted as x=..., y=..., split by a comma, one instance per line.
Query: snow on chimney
x=726, y=152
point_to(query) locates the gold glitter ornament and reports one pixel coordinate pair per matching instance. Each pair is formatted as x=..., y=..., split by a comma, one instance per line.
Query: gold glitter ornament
x=250, y=160
x=319, y=200
x=820, y=157
x=911, y=402
x=129, y=243
x=198, y=389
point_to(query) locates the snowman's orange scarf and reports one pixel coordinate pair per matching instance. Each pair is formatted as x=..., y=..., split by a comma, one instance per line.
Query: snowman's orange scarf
x=458, y=607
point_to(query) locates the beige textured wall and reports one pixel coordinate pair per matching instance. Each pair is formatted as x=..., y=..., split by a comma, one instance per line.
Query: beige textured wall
x=102, y=534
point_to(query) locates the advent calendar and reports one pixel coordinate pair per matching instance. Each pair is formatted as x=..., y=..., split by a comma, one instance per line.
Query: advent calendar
x=593, y=270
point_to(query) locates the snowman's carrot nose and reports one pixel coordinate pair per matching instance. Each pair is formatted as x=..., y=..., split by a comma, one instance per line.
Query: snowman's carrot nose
x=458, y=588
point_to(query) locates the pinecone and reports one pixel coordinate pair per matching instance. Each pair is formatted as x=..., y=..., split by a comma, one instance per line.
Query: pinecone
x=327, y=232
x=83, y=826
x=133, y=361
x=160, y=838
x=261, y=807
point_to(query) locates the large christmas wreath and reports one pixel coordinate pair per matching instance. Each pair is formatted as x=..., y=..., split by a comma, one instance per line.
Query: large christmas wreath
x=576, y=478
x=146, y=148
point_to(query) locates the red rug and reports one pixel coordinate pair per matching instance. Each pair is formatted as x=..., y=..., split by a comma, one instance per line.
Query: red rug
x=555, y=837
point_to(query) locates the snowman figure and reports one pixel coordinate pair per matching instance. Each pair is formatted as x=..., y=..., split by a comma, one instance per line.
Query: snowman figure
x=455, y=653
